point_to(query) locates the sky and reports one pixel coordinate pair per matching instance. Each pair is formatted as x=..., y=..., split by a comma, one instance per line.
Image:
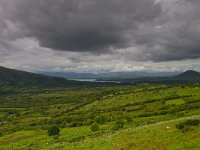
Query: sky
x=100, y=35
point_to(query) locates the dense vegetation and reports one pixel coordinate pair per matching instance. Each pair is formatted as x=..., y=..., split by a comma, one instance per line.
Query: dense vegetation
x=100, y=118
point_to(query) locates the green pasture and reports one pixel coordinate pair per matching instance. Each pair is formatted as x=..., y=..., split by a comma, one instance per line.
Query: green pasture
x=148, y=113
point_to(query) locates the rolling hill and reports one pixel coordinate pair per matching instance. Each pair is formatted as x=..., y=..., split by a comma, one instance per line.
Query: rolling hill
x=139, y=117
x=26, y=79
x=22, y=78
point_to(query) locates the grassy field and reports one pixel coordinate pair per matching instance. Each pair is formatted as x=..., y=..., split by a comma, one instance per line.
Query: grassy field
x=143, y=116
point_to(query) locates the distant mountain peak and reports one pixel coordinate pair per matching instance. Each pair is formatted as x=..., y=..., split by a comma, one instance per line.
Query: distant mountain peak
x=188, y=75
x=190, y=72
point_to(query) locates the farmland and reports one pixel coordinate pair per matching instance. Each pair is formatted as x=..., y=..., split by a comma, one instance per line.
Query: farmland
x=143, y=116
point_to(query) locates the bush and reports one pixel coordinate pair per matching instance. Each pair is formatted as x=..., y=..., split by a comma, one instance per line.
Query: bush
x=180, y=126
x=94, y=127
x=193, y=122
x=119, y=124
x=54, y=130
x=33, y=124
x=185, y=125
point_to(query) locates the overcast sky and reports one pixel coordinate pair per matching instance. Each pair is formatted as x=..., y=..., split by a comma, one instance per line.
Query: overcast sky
x=100, y=35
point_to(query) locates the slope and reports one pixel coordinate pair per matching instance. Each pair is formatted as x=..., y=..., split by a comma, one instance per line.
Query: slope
x=21, y=78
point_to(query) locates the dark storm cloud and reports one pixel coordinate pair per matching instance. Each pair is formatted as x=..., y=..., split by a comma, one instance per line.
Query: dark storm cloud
x=80, y=25
x=174, y=35
x=159, y=31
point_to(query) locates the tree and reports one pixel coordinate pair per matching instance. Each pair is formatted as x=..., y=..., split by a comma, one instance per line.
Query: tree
x=54, y=130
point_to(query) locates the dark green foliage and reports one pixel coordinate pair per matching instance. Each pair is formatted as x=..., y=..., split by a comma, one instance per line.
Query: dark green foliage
x=94, y=127
x=53, y=131
x=118, y=124
x=185, y=125
x=193, y=122
x=100, y=119
x=33, y=124
x=180, y=126
x=129, y=119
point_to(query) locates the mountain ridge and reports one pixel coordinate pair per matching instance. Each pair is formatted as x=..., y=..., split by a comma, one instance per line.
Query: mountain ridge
x=185, y=77
x=23, y=78
x=27, y=79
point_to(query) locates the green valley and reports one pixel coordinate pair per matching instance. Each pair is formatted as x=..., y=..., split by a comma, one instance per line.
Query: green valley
x=143, y=116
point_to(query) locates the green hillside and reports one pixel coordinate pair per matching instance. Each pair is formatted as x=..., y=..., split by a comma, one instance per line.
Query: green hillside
x=146, y=116
x=11, y=77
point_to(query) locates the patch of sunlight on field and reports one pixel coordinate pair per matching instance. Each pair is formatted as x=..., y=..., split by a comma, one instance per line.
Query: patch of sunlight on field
x=175, y=102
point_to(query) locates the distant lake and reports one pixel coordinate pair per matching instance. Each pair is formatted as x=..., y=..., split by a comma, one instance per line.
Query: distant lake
x=94, y=80
x=88, y=80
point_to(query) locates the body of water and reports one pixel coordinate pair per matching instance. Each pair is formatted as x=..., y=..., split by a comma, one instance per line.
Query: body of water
x=94, y=80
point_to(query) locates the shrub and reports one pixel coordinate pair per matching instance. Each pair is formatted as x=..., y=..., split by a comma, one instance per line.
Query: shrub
x=54, y=130
x=180, y=126
x=193, y=122
x=185, y=125
x=118, y=124
x=33, y=124
x=94, y=127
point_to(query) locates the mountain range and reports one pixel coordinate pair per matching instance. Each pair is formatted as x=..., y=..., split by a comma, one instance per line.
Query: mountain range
x=107, y=75
x=185, y=77
x=27, y=79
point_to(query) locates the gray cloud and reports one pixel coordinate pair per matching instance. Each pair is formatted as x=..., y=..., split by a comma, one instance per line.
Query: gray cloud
x=174, y=35
x=80, y=25
x=99, y=34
